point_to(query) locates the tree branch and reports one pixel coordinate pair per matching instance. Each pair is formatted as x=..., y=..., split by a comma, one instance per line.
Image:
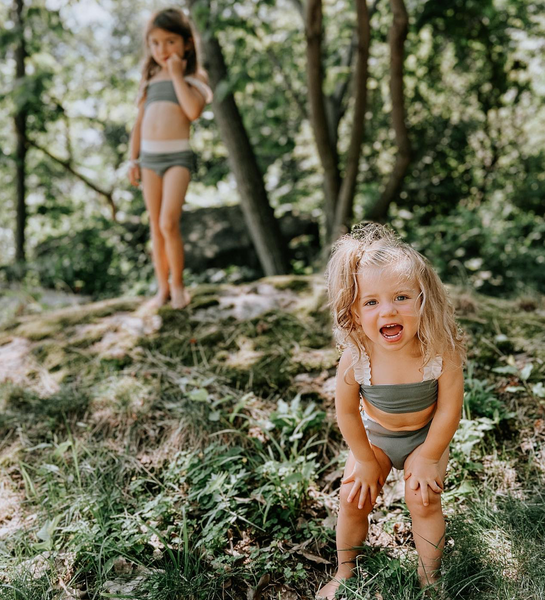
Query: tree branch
x=344, y=206
x=397, y=37
x=318, y=117
x=338, y=98
x=66, y=165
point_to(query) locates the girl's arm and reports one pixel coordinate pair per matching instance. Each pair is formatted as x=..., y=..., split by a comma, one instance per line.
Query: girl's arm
x=425, y=471
x=367, y=474
x=448, y=412
x=191, y=100
x=134, y=145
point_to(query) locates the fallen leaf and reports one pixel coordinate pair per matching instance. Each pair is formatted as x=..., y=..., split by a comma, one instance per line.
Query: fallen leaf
x=261, y=585
x=315, y=558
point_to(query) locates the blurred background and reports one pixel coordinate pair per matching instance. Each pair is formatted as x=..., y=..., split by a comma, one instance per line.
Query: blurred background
x=453, y=158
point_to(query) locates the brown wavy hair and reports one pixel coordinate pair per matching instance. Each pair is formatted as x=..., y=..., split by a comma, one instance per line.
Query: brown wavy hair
x=174, y=21
x=376, y=245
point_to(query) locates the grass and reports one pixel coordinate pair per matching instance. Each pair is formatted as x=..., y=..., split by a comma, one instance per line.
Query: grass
x=195, y=460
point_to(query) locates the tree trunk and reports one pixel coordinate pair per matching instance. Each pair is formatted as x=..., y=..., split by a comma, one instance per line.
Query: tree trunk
x=397, y=37
x=345, y=203
x=318, y=114
x=258, y=213
x=20, y=120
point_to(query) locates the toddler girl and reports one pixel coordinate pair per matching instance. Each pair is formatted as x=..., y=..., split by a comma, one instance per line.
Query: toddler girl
x=399, y=388
x=173, y=92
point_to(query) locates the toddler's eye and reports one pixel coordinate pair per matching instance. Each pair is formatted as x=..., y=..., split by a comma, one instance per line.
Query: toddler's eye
x=370, y=303
x=402, y=297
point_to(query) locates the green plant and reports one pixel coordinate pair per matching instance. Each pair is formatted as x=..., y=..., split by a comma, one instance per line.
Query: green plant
x=497, y=549
x=183, y=572
x=480, y=399
x=31, y=581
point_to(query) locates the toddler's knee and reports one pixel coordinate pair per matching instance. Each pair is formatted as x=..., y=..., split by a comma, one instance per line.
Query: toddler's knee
x=416, y=506
x=169, y=226
x=352, y=507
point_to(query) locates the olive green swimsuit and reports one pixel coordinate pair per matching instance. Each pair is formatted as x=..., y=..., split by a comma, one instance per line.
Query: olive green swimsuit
x=161, y=161
x=397, y=399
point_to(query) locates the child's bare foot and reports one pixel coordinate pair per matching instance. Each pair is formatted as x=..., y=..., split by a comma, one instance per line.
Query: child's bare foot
x=160, y=299
x=434, y=592
x=180, y=298
x=328, y=591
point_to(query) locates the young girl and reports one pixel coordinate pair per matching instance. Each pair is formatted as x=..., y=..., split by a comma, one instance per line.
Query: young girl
x=399, y=388
x=173, y=92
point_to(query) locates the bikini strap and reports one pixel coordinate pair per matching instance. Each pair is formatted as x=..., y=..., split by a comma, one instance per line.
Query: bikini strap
x=433, y=369
x=362, y=365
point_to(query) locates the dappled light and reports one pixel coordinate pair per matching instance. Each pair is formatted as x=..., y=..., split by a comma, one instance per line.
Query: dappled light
x=174, y=422
x=172, y=435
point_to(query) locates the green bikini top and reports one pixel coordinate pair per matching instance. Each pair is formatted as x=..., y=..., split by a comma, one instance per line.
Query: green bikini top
x=163, y=90
x=398, y=398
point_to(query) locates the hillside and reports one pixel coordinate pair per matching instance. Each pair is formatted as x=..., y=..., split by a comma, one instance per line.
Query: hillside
x=194, y=454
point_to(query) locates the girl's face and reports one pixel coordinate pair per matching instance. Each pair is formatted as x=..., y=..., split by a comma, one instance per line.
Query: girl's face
x=387, y=308
x=163, y=44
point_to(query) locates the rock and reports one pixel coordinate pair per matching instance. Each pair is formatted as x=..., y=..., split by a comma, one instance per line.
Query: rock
x=217, y=237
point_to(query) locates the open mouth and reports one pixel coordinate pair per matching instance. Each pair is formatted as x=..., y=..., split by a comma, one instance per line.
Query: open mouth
x=391, y=332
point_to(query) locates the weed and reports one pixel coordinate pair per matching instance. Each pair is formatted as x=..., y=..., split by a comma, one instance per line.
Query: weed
x=498, y=549
x=480, y=399
x=31, y=581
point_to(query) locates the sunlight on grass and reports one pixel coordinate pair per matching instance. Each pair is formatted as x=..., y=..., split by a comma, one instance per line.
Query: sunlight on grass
x=176, y=472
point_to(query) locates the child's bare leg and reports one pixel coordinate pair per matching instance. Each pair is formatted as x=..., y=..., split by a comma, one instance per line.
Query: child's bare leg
x=428, y=525
x=175, y=182
x=153, y=190
x=352, y=526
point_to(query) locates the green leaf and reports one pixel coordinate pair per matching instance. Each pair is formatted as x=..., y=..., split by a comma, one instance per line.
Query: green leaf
x=465, y=488
x=293, y=478
x=526, y=371
x=538, y=389
x=199, y=395
x=214, y=416
x=507, y=370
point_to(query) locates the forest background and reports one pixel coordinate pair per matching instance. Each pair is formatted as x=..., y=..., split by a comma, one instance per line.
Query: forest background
x=453, y=158
x=194, y=454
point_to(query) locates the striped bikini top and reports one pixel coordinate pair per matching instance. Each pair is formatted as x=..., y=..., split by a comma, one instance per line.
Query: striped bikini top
x=164, y=90
x=398, y=398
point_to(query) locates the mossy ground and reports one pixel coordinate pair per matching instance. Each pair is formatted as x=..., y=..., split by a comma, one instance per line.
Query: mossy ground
x=194, y=454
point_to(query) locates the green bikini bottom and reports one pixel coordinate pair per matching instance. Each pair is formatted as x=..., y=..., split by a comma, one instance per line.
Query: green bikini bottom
x=161, y=162
x=397, y=445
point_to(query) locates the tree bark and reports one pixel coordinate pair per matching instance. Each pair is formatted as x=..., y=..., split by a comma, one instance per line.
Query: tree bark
x=397, y=37
x=20, y=120
x=327, y=150
x=258, y=213
x=345, y=202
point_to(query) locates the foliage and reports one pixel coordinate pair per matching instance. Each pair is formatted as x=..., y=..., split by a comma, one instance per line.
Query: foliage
x=474, y=110
x=496, y=249
x=150, y=476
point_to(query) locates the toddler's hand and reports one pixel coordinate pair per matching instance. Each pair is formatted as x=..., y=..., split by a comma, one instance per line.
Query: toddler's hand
x=424, y=473
x=176, y=65
x=368, y=479
x=134, y=175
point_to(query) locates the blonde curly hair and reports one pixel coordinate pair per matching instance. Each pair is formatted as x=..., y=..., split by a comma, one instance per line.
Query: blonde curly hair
x=371, y=244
